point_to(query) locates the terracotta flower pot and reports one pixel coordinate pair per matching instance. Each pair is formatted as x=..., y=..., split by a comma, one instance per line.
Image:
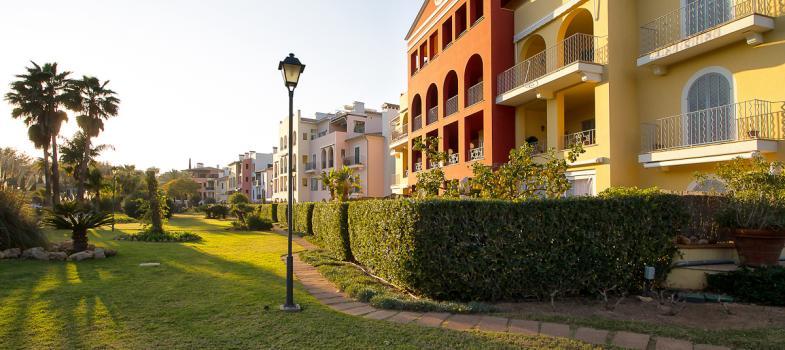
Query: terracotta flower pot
x=759, y=247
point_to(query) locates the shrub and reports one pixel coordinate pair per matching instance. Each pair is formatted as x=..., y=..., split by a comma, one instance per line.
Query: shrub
x=256, y=223
x=282, y=214
x=268, y=211
x=764, y=285
x=132, y=206
x=18, y=227
x=216, y=211
x=77, y=218
x=303, y=218
x=160, y=236
x=331, y=229
x=616, y=192
x=494, y=250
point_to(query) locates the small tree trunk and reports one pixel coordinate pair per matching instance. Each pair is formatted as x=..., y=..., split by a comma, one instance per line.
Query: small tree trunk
x=47, y=179
x=79, y=237
x=55, y=173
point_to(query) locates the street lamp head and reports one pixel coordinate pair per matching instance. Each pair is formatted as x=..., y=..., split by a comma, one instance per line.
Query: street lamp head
x=291, y=68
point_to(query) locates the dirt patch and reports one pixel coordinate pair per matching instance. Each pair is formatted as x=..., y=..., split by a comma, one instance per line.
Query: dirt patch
x=708, y=316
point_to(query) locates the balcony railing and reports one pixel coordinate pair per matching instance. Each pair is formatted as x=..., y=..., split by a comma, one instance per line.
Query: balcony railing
x=583, y=138
x=697, y=17
x=538, y=148
x=451, y=106
x=351, y=161
x=476, y=153
x=417, y=122
x=743, y=121
x=434, y=164
x=418, y=167
x=474, y=94
x=452, y=159
x=310, y=166
x=577, y=48
x=433, y=114
x=400, y=131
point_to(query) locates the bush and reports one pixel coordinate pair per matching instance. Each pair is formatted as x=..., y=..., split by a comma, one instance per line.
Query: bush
x=18, y=226
x=329, y=220
x=303, y=218
x=282, y=214
x=160, y=237
x=132, y=206
x=494, y=250
x=216, y=211
x=764, y=285
x=268, y=211
x=256, y=223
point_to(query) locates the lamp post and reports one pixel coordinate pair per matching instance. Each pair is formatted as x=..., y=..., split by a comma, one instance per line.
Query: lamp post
x=114, y=194
x=290, y=68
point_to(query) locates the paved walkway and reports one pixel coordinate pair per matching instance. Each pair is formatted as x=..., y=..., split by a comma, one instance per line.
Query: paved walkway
x=327, y=293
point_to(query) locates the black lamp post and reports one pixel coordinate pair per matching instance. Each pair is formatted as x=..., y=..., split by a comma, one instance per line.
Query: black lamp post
x=291, y=68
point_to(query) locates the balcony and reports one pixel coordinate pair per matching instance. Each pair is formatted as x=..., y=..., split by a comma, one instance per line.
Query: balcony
x=418, y=167
x=476, y=153
x=310, y=166
x=433, y=115
x=579, y=58
x=453, y=159
x=474, y=95
x=401, y=180
x=711, y=135
x=583, y=138
x=352, y=162
x=702, y=26
x=451, y=106
x=417, y=122
x=399, y=133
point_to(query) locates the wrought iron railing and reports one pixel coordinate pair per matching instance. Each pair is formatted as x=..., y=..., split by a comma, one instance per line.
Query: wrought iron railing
x=418, y=167
x=474, y=94
x=434, y=164
x=310, y=166
x=583, y=138
x=417, y=122
x=350, y=161
x=433, y=114
x=476, y=153
x=743, y=121
x=452, y=159
x=400, y=131
x=698, y=17
x=577, y=48
x=538, y=148
x=451, y=106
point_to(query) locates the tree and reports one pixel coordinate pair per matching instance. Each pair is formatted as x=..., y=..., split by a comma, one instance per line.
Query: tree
x=430, y=182
x=154, y=202
x=96, y=103
x=340, y=182
x=183, y=188
x=240, y=206
x=37, y=96
x=77, y=218
x=74, y=157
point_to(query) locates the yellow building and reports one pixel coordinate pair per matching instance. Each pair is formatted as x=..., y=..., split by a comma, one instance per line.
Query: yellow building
x=655, y=90
x=399, y=148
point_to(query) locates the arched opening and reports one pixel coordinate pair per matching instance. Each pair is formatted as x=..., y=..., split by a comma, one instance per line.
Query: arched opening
x=473, y=78
x=710, y=113
x=432, y=104
x=324, y=158
x=577, y=37
x=534, y=56
x=330, y=157
x=294, y=138
x=417, y=113
x=450, y=90
x=475, y=11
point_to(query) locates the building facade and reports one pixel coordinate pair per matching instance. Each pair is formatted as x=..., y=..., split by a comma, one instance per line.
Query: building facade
x=399, y=149
x=354, y=136
x=654, y=91
x=207, y=178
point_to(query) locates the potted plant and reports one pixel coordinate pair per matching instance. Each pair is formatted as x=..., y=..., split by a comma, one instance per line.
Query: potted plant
x=755, y=210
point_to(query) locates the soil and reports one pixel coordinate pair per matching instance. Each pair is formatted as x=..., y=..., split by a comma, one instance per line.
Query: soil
x=708, y=316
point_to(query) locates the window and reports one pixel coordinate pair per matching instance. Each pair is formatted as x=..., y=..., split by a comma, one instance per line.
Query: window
x=476, y=11
x=432, y=44
x=314, y=184
x=305, y=182
x=423, y=54
x=305, y=136
x=357, y=155
x=413, y=63
x=460, y=20
x=710, y=114
x=359, y=127
x=700, y=15
x=246, y=165
x=583, y=183
x=446, y=33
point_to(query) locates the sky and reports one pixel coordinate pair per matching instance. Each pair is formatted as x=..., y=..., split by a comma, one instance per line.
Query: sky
x=199, y=79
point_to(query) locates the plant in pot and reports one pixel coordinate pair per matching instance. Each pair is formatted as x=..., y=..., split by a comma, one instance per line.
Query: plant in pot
x=755, y=209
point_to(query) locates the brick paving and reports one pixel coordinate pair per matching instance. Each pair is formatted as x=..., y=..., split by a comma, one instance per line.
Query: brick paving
x=328, y=294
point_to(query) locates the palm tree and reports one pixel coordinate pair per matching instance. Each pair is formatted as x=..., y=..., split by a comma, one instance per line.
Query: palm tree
x=340, y=182
x=73, y=216
x=74, y=157
x=97, y=103
x=37, y=97
x=95, y=183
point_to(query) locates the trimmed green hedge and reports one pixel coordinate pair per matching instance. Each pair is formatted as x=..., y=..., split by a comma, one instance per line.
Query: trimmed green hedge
x=282, y=214
x=331, y=230
x=494, y=250
x=269, y=211
x=303, y=214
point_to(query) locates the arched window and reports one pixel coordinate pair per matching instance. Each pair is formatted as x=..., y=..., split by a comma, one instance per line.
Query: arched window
x=472, y=81
x=709, y=111
x=417, y=113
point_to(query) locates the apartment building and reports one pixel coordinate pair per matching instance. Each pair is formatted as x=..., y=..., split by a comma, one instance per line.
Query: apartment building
x=354, y=136
x=207, y=178
x=242, y=172
x=399, y=149
x=262, y=177
x=653, y=90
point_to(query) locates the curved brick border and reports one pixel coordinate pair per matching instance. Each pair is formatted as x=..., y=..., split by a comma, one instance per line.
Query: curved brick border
x=328, y=294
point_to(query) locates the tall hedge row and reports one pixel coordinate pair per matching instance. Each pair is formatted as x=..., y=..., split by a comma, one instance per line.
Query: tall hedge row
x=269, y=211
x=282, y=213
x=331, y=230
x=494, y=250
x=303, y=214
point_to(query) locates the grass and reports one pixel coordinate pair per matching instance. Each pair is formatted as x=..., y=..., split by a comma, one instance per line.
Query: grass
x=757, y=338
x=209, y=294
x=358, y=285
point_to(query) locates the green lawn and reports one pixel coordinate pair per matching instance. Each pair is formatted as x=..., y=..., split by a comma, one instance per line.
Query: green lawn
x=210, y=294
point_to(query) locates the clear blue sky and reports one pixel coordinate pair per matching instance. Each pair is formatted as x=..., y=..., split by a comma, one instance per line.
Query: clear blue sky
x=199, y=79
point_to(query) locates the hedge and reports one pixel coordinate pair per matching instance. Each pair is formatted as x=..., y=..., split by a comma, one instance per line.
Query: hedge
x=269, y=211
x=494, y=250
x=282, y=214
x=331, y=230
x=303, y=213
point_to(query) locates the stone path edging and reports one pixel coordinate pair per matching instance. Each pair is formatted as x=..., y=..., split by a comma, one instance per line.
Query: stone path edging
x=327, y=293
